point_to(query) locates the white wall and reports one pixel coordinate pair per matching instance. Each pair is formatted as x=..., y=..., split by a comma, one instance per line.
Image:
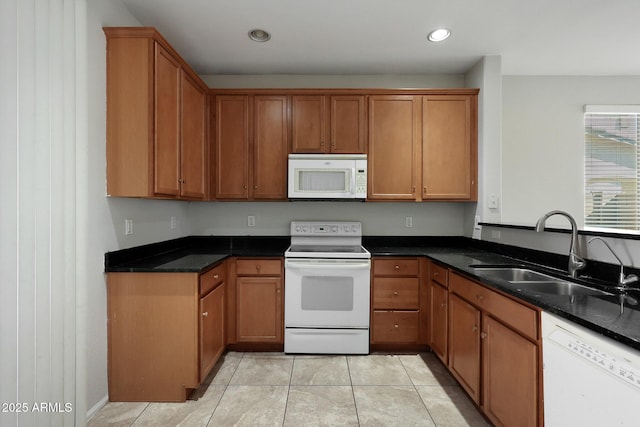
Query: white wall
x=543, y=158
x=379, y=219
x=487, y=75
x=334, y=81
x=101, y=219
x=543, y=141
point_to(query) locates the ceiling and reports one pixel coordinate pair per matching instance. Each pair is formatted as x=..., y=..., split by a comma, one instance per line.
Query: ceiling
x=535, y=37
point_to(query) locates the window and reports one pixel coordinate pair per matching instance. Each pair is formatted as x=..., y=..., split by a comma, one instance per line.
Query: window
x=611, y=174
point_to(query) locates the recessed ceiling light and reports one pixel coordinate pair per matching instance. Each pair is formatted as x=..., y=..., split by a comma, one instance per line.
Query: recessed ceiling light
x=259, y=35
x=439, y=35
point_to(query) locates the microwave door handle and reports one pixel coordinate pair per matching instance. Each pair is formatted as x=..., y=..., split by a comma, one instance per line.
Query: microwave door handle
x=353, y=182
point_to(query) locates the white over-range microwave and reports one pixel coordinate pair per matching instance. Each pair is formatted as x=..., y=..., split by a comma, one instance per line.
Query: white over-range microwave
x=327, y=176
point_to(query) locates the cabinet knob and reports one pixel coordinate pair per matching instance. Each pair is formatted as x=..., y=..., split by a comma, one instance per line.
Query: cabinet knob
x=480, y=297
x=216, y=276
x=244, y=186
x=424, y=190
x=443, y=305
x=475, y=328
x=396, y=326
x=483, y=335
x=436, y=274
x=396, y=267
x=258, y=268
x=255, y=187
x=395, y=293
x=205, y=314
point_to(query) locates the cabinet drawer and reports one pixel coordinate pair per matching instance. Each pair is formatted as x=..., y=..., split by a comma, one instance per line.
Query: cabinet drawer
x=440, y=274
x=395, y=327
x=400, y=293
x=510, y=312
x=212, y=278
x=396, y=267
x=259, y=267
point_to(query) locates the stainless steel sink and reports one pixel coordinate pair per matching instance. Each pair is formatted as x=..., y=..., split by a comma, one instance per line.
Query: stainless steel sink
x=529, y=281
x=558, y=288
x=513, y=274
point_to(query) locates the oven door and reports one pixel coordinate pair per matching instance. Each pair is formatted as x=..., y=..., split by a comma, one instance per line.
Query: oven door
x=327, y=293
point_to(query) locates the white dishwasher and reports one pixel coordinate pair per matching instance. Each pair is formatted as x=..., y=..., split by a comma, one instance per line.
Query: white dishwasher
x=589, y=379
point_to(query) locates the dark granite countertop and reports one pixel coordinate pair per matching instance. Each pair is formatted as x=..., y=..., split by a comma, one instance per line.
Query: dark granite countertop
x=613, y=316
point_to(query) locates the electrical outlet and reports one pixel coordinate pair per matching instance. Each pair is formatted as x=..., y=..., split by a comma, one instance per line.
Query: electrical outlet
x=174, y=223
x=408, y=222
x=251, y=221
x=493, y=201
x=128, y=227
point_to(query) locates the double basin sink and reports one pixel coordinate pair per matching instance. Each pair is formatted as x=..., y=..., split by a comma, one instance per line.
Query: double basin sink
x=530, y=281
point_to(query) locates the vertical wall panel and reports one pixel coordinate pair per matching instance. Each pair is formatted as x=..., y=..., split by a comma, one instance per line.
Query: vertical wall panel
x=37, y=217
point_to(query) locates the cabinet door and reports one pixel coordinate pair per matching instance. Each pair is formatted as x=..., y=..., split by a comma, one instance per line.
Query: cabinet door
x=439, y=320
x=464, y=345
x=447, y=154
x=259, y=309
x=308, y=124
x=270, y=147
x=510, y=376
x=394, y=144
x=348, y=124
x=193, y=154
x=212, y=326
x=167, y=123
x=232, y=147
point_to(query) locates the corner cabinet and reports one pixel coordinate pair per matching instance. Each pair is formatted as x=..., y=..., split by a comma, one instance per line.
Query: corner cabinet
x=423, y=147
x=156, y=119
x=251, y=146
x=165, y=330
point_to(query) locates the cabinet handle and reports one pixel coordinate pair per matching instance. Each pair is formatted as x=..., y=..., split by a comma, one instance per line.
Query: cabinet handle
x=205, y=314
x=483, y=335
x=413, y=190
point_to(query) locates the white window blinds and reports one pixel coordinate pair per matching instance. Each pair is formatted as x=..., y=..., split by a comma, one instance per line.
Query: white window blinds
x=611, y=174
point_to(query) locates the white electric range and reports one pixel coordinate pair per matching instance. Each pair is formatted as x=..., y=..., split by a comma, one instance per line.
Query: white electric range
x=327, y=289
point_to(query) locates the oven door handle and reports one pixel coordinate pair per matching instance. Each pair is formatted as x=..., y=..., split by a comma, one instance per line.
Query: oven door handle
x=323, y=264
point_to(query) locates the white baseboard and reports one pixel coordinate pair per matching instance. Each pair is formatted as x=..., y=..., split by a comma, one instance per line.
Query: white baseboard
x=95, y=408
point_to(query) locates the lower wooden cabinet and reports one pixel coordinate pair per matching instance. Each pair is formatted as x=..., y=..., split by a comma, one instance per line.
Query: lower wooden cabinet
x=438, y=312
x=398, y=302
x=464, y=345
x=511, y=367
x=160, y=342
x=259, y=301
x=211, y=329
x=494, y=352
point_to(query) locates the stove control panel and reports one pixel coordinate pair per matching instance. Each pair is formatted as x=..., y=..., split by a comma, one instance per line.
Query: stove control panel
x=322, y=228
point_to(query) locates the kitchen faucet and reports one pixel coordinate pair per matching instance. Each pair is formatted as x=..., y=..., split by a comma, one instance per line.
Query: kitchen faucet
x=575, y=262
x=623, y=280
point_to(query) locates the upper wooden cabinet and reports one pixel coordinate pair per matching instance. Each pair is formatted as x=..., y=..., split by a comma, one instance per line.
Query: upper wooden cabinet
x=449, y=147
x=394, y=147
x=423, y=141
x=251, y=146
x=328, y=124
x=156, y=119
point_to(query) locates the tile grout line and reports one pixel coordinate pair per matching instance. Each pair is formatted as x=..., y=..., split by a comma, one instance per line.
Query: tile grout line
x=226, y=387
x=286, y=402
x=416, y=389
x=353, y=394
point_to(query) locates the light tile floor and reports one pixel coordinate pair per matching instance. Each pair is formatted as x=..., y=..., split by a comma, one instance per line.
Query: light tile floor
x=275, y=389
